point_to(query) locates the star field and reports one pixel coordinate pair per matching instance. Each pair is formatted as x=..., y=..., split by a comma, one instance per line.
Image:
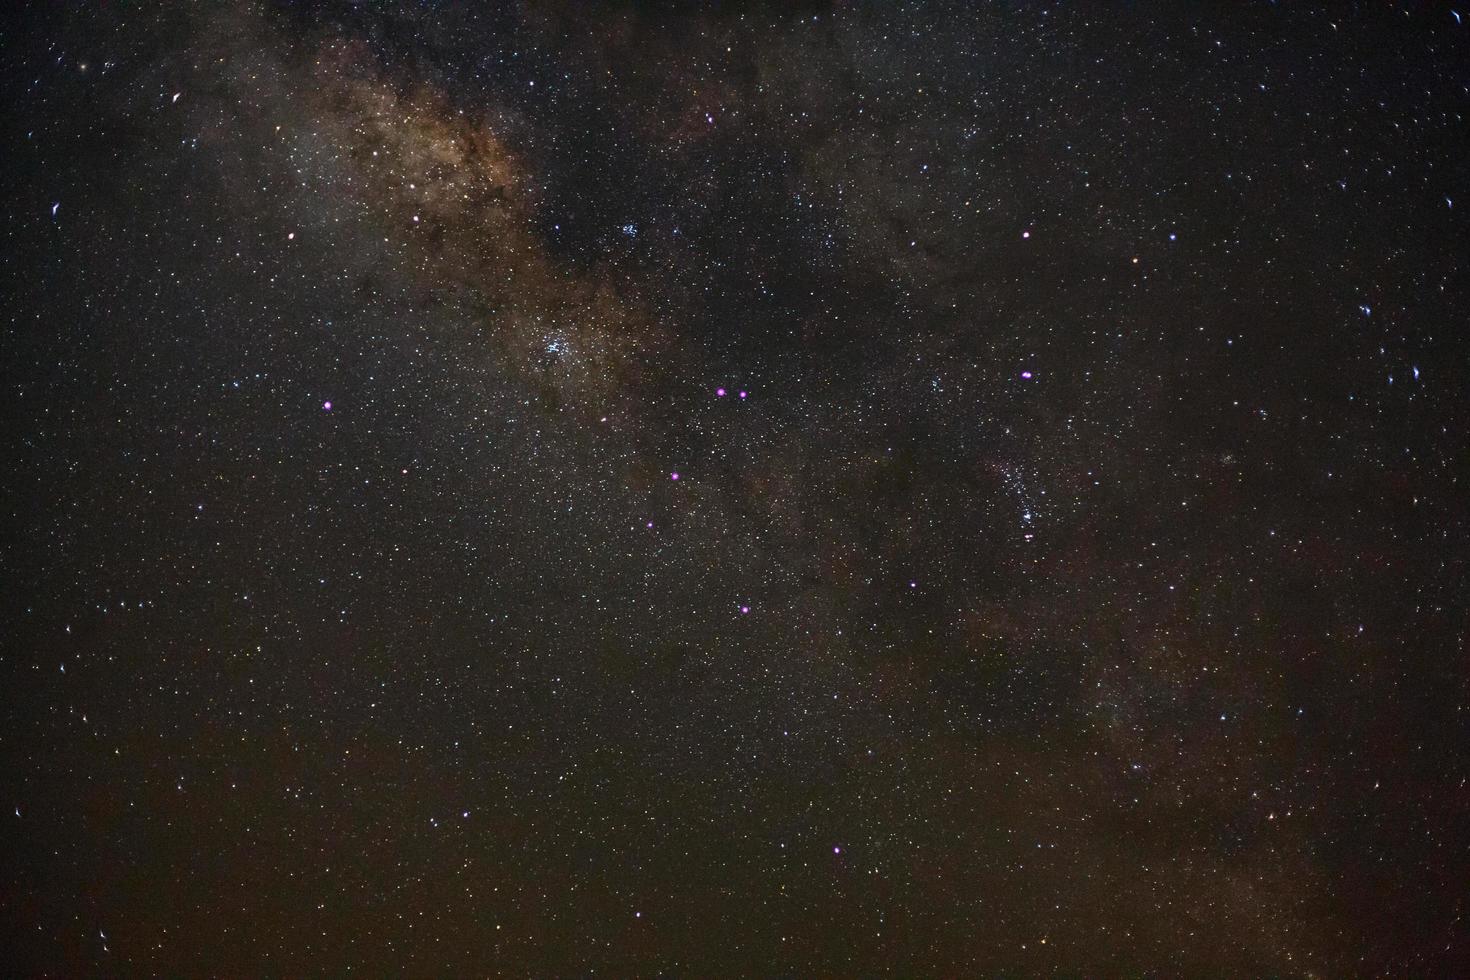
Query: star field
x=754, y=489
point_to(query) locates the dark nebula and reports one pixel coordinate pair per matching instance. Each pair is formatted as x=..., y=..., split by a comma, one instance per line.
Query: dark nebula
x=697, y=489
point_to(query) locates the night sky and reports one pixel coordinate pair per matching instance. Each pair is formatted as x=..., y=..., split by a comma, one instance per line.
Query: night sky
x=771, y=489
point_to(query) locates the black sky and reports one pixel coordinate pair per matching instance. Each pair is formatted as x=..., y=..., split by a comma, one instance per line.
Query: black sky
x=1065, y=570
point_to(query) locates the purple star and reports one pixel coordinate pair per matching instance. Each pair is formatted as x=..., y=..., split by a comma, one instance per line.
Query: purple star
x=674, y=475
x=719, y=392
x=742, y=394
x=1025, y=375
x=326, y=406
x=744, y=610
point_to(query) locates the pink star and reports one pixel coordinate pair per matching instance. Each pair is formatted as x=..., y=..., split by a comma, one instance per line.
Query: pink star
x=326, y=406
x=674, y=476
x=719, y=392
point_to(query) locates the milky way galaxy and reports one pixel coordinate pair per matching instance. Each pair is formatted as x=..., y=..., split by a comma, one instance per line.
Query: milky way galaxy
x=757, y=489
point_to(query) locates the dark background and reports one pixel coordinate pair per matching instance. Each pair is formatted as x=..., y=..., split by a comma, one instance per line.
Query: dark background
x=1099, y=500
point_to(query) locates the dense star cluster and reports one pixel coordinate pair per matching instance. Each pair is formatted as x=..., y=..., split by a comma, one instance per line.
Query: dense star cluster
x=710, y=488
